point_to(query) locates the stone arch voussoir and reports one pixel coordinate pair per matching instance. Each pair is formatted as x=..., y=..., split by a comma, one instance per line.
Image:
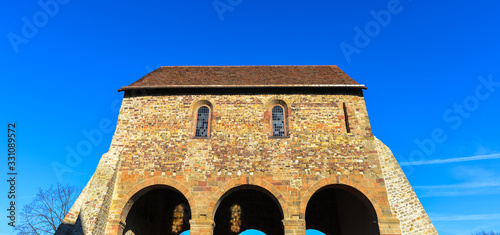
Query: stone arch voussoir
x=249, y=181
x=342, y=182
x=125, y=203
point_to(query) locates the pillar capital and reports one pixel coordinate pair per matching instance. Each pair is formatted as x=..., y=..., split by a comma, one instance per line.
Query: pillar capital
x=294, y=222
x=201, y=226
x=389, y=225
x=201, y=222
x=294, y=226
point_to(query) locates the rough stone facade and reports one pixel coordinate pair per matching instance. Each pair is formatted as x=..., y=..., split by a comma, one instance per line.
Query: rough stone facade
x=154, y=146
x=403, y=200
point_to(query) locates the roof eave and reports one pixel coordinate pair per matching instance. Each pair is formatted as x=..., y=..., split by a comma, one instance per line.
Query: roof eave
x=360, y=86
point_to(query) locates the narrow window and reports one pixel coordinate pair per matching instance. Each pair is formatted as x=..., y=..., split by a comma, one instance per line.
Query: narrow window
x=278, y=121
x=202, y=121
x=346, y=119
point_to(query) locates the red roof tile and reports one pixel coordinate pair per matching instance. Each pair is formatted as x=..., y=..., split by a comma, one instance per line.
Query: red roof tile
x=244, y=76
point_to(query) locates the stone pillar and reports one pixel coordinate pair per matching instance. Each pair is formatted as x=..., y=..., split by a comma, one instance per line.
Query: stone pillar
x=389, y=226
x=201, y=226
x=294, y=226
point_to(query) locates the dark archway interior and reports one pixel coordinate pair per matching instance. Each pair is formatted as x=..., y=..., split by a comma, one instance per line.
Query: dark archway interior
x=256, y=210
x=336, y=211
x=159, y=211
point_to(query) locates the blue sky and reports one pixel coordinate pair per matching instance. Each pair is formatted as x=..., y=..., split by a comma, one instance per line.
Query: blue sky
x=431, y=69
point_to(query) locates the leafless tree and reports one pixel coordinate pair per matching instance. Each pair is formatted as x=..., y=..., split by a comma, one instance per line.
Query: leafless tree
x=47, y=210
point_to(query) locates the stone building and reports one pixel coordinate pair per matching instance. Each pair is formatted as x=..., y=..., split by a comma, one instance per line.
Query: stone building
x=223, y=149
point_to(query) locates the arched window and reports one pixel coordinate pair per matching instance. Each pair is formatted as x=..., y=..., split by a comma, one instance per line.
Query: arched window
x=203, y=121
x=278, y=121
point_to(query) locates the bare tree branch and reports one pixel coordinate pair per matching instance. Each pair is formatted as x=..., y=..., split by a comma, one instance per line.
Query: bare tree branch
x=47, y=210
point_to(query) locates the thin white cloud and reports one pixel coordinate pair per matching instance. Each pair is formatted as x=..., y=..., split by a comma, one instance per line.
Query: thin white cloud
x=488, y=186
x=459, y=193
x=451, y=160
x=467, y=217
x=460, y=186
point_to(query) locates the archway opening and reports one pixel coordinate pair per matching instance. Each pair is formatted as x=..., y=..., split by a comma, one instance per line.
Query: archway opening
x=158, y=211
x=248, y=208
x=341, y=210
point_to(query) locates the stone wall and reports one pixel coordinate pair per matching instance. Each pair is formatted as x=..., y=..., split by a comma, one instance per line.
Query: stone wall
x=161, y=127
x=160, y=150
x=88, y=215
x=403, y=200
x=154, y=146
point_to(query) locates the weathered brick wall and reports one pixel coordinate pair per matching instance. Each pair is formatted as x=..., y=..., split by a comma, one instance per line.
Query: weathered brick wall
x=89, y=213
x=71, y=223
x=159, y=149
x=154, y=145
x=92, y=205
x=162, y=126
x=102, y=216
x=96, y=195
x=403, y=200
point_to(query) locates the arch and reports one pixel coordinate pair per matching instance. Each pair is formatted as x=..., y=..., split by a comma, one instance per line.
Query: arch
x=341, y=209
x=248, y=207
x=341, y=182
x=247, y=181
x=139, y=189
x=158, y=209
x=199, y=102
x=274, y=100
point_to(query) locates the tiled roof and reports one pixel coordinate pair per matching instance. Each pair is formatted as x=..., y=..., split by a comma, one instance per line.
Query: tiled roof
x=244, y=76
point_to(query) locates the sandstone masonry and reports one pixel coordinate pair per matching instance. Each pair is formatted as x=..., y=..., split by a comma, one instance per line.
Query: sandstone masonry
x=326, y=147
